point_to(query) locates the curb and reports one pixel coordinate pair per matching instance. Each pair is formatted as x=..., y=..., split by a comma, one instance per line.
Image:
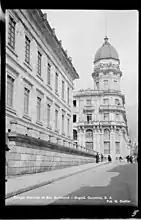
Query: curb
x=20, y=191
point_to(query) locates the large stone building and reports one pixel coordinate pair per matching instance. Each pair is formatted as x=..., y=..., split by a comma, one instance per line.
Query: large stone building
x=99, y=115
x=39, y=84
x=39, y=77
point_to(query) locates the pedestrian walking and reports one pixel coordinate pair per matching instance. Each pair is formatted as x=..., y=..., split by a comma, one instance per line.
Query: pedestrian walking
x=109, y=158
x=120, y=158
x=127, y=159
x=131, y=159
x=97, y=158
x=101, y=157
x=6, y=162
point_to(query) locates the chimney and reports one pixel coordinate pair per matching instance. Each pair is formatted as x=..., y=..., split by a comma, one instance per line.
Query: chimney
x=45, y=16
x=70, y=59
x=66, y=52
x=53, y=30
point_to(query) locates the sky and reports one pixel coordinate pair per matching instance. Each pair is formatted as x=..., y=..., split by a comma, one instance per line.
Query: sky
x=82, y=33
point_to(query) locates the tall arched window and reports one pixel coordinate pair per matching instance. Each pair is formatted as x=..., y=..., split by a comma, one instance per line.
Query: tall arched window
x=74, y=134
x=106, y=135
x=89, y=133
x=117, y=134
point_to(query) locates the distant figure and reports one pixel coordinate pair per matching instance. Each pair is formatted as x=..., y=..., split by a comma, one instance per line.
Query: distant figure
x=128, y=158
x=6, y=163
x=101, y=157
x=120, y=158
x=109, y=158
x=97, y=158
x=131, y=159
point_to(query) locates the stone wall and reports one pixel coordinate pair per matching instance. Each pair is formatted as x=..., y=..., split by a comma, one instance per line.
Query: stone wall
x=30, y=155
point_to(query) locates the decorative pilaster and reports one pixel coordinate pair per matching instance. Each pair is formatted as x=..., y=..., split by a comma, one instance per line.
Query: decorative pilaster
x=112, y=142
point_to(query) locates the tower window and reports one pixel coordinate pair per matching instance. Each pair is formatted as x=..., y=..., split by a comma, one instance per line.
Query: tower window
x=105, y=84
x=74, y=118
x=89, y=102
x=97, y=85
x=106, y=116
x=89, y=118
x=117, y=117
x=105, y=101
x=74, y=103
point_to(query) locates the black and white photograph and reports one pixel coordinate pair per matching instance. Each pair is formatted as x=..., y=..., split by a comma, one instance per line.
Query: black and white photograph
x=71, y=108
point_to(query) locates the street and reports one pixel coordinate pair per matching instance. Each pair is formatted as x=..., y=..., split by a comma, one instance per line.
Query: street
x=112, y=183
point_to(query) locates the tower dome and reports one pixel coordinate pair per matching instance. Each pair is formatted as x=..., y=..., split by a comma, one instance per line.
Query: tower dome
x=106, y=51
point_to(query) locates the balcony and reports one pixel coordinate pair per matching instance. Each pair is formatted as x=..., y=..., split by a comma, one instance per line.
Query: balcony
x=88, y=108
x=112, y=123
x=102, y=123
x=112, y=108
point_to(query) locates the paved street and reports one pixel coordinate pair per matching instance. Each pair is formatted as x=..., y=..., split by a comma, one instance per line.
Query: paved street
x=112, y=183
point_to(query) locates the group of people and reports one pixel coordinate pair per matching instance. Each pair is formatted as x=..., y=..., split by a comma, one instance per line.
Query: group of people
x=100, y=157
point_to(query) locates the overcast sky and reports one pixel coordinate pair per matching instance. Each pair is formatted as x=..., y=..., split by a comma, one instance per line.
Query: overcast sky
x=82, y=33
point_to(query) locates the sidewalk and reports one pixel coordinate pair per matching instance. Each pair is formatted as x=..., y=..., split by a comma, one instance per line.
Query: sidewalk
x=18, y=185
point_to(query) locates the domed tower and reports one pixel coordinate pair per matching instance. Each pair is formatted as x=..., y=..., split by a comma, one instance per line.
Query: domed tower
x=111, y=111
x=106, y=73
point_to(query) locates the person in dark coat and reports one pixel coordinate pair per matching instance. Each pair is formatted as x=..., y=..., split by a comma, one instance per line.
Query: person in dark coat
x=120, y=158
x=101, y=157
x=6, y=163
x=109, y=158
x=97, y=158
x=131, y=159
x=127, y=159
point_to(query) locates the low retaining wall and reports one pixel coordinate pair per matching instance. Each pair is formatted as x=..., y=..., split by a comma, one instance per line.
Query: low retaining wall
x=30, y=155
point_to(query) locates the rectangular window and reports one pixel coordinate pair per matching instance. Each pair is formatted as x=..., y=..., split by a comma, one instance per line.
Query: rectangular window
x=74, y=103
x=63, y=87
x=48, y=73
x=117, y=102
x=106, y=116
x=10, y=85
x=62, y=124
x=97, y=85
x=56, y=82
x=105, y=84
x=117, y=147
x=39, y=63
x=106, y=101
x=68, y=95
x=117, y=117
x=38, y=109
x=48, y=115
x=26, y=101
x=68, y=127
x=74, y=118
x=89, y=102
x=106, y=147
x=11, y=32
x=89, y=118
x=27, y=50
x=89, y=145
x=56, y=119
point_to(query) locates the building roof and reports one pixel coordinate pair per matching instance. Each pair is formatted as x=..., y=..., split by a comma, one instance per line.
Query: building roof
x=106, y=51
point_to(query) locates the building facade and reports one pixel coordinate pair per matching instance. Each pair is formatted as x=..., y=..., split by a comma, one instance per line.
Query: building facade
x=39, y=79
x=99, y=115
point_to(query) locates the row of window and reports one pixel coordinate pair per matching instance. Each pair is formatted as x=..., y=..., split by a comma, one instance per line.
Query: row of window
x=89, y=145
x=107, y=147
x=10, y=83
x=11, y=43
x=106, y=83
x=105, y=102
x=105, y=117
x=89, y=134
